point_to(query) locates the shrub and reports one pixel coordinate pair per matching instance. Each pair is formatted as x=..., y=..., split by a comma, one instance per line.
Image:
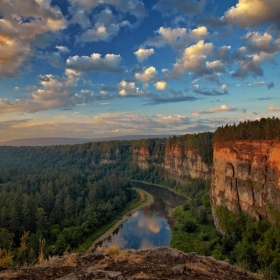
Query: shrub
x=189, y=227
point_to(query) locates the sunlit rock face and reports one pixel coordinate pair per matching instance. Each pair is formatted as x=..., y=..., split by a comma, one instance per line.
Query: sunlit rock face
x=177, y=161
x=246, y=176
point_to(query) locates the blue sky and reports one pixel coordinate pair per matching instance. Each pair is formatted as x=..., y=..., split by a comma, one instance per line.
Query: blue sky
x=89, y=68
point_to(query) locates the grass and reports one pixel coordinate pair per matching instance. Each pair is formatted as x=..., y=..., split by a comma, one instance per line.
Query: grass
x=112, y=250
x=141, y=199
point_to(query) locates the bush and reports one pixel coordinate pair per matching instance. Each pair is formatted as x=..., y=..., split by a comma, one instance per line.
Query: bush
x=186, y=206
x=202, y=216
x=6, y=258
x=190, y=227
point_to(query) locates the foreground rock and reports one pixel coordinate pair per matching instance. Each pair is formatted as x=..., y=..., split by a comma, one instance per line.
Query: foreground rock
x=158, y=263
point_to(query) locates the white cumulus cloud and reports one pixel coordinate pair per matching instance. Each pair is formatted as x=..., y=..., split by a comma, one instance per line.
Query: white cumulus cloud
x=147, y=75
x=127, y=88
x=177, y=38
x=63, y=49
x=258, y=42
x=193, y=59
x=110, y=63
x=143, y=54
x=216, y=65
x=248, y=13
x=17, y=35
x=160, y=85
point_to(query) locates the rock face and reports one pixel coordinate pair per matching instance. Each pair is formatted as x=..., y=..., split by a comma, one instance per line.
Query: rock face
x=246, y=177
x=142, y=157
x=158, y=263
x=177, y=161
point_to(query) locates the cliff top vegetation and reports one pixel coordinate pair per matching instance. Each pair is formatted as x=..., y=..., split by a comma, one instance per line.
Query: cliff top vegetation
x=263, y=129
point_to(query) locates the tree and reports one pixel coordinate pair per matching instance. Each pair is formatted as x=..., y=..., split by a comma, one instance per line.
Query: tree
x=6, y=239
x=68, y=206
x=41, y=219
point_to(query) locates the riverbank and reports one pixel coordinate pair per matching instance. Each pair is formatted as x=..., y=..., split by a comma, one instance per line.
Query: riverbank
x=105, y=232
x=161, y=186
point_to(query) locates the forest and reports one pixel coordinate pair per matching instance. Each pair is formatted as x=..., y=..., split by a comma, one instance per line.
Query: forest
x=58, y=195
x=58, y=207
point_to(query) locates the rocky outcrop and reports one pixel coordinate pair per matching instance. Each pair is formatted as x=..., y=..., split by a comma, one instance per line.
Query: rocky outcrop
x=177, y=161
x=142, y=157
x=246, y=176
x=158, y=263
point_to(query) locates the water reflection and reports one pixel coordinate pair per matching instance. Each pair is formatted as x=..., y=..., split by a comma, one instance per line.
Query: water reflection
x=149, y=227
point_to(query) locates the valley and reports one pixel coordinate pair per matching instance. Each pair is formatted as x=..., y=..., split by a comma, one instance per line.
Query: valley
x=57, y=198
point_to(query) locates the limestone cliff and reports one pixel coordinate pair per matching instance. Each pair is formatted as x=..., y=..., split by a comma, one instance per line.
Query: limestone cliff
x=176, y=160
x=246, y=176
x=179, y=161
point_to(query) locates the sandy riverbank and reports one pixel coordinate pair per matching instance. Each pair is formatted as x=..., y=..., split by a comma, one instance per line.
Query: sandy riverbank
x=108, y=233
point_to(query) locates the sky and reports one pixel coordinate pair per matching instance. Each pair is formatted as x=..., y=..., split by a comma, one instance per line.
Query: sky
x=105, y=68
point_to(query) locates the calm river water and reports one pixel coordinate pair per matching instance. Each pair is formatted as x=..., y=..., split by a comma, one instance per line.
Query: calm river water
x=150, y=226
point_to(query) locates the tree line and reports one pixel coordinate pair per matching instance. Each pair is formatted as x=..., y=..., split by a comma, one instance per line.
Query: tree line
x=263, y=129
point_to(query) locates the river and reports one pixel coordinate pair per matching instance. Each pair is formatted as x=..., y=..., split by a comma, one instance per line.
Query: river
x=150, y=226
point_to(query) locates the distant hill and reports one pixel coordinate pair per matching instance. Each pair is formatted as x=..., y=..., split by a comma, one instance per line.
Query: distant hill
x=49, y=141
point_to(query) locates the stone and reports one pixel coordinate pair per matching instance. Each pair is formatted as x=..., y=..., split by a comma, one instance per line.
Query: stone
x=71, y=276
x=179, y=268
x=113, y=274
